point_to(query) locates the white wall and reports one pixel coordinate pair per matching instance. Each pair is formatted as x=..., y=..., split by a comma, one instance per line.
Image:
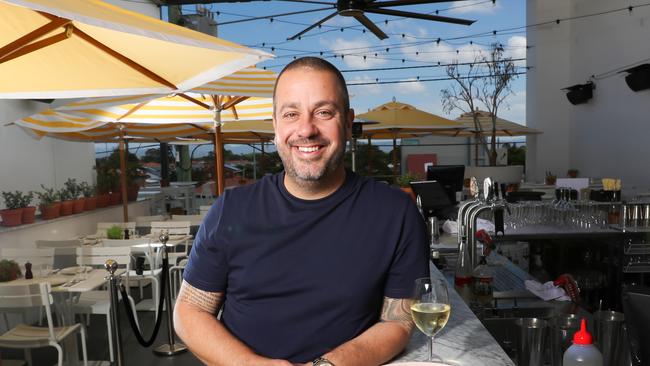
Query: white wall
x=608, y=136
x=447, y=154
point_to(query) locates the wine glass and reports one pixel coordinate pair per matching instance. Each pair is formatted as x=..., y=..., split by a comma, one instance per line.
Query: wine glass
x=430, y=308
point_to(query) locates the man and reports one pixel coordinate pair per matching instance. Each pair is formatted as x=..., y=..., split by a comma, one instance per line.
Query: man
x=314, y=265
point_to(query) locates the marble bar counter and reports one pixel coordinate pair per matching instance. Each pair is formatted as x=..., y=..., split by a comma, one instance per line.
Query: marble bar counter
x=463, y=341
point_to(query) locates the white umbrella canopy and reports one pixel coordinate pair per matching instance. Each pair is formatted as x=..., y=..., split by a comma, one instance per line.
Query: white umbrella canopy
x=88, y=48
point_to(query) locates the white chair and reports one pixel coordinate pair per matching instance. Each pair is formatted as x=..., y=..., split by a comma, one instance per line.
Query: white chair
x=176, y=230
x=65, y=254
x=195, y=220
x=40, y=258
x=203, y=210
x=145, y=221
x=103, y=226
x=24, y=336
x=141, y=246
x=98, y=302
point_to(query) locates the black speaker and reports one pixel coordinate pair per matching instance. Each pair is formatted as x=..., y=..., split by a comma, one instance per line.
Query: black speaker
x=638, y=77
x=357, y=130
x=580, y=93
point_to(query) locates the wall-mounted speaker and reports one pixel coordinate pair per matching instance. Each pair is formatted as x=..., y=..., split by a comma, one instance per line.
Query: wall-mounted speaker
x=357, y=129
x=580, y=93
x=638, y=77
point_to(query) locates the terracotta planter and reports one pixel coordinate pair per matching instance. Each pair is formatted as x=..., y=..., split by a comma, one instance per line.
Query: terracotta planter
x=132, y=193
x=102, y=200
x=78, y=206
x=12, y=217
x=50, y=211
x=116, y=198
x=409, y=191
x=29, y=214
x=66, y=208
x=90, y=203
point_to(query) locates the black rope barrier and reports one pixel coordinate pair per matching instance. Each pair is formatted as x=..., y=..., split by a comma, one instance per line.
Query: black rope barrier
x=161, y=303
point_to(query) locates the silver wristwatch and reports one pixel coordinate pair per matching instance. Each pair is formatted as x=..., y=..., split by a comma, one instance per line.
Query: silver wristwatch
x=322, y=361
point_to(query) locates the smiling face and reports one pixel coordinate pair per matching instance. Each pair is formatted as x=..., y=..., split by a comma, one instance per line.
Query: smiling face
x=311, y=127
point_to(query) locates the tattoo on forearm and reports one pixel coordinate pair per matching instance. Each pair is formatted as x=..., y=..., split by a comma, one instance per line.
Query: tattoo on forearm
x=396, y=310
x=206, y=301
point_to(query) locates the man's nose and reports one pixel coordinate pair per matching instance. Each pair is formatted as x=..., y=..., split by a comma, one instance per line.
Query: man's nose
x=307, y=128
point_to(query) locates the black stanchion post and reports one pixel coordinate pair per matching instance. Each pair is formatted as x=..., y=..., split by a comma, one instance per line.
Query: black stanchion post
x=111, y=267
x=172, y=347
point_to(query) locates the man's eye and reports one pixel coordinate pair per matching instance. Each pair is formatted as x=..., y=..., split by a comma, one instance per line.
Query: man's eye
x=324, y=114
x=290, y=115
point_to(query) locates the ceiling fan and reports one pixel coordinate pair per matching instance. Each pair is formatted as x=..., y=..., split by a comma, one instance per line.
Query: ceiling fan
x=357, y=10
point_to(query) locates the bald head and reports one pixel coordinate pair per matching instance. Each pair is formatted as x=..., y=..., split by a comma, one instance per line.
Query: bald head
x=317, y=64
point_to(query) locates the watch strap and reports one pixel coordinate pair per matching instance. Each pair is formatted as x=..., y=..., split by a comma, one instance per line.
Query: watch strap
x=322, y=361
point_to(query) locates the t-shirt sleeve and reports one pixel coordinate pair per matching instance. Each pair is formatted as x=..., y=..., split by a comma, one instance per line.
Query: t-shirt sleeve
x=411, y=257
x=207, y=266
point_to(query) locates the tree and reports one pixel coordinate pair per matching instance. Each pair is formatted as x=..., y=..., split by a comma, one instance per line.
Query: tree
x=486, y=80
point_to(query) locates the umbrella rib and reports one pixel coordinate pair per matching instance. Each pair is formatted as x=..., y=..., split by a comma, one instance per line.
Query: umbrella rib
x=132, y=110
x=36, y=45
x=195, y=101
x=199, y=127
x=31, y=36
x=127, y=61
x=233, y=101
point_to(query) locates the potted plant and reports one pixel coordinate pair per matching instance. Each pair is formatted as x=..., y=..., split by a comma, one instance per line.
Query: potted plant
x=572, y=173
x=404, y=181
x=12, y=215
x=29, y=212
x=88, y=191
x=75, y=193
x=49, y=206
x=9, y=270
x=67, y=203
x=114, y=232
x=550, y=179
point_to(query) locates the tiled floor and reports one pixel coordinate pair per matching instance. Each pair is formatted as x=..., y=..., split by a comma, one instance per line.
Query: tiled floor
x=134, y=353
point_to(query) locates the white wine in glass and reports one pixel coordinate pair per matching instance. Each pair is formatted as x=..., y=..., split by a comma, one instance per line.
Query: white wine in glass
x=430, y=308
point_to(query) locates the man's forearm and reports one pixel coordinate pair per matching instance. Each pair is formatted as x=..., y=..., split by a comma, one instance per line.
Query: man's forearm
x=196, y=324
x=376, y=346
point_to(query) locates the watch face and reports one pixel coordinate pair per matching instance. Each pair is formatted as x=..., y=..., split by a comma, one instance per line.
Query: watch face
x=322, y=362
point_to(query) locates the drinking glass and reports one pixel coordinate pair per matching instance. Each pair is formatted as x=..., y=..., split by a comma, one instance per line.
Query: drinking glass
x=430, y=308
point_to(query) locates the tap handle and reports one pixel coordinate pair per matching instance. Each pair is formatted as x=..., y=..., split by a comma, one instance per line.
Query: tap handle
x=497, y=194
x=503, y=190
x=498, y=222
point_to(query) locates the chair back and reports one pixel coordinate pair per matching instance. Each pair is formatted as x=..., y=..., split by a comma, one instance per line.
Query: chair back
x=146, y=220
x=97, y=256
x=24, y=297
x=172, y=227
x=203, y=210
x=195, y=220
x=103, y=226
x=38, y=257
x=69, y=243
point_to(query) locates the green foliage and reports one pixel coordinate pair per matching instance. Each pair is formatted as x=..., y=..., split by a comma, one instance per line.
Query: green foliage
x=9, y=270
x=64, y=194
x=379, y=161
x=88, y=190
x=17, y=199
x=73, y=188
x=114, y=232
x=48, y=196
x=405, y=179
x=517, y=155
x=108, y=171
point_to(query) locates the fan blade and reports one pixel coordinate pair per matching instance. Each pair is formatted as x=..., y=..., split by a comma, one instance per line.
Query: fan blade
x=371, y=26
x=180, y=2
x=312, y=26
x=273, y=16
x=407, y=2
x=409, y=14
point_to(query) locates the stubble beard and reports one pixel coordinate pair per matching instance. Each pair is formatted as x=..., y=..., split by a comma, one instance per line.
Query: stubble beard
x=306, y=177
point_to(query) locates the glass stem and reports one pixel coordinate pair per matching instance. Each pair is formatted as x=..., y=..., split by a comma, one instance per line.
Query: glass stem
x=431, y=348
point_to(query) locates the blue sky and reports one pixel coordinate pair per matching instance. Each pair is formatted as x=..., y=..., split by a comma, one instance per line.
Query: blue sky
x=410, y=39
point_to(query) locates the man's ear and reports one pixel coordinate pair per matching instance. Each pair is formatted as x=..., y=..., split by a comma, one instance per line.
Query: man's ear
x=348, y=124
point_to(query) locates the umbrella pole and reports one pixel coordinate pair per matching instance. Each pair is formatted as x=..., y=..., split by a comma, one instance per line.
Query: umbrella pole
x=125, y=198
x=353, y=151
x=218, y=154
x=395, y=157
x=369, y=156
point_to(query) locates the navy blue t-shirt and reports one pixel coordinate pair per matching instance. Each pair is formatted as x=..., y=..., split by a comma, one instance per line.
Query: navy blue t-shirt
x=301, y=277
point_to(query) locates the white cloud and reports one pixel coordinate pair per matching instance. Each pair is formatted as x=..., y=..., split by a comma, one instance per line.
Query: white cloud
x=516, y=48
x=356, y=46
x=514, y=108
x=411, y=87
x=474, y=6
x=358, y=91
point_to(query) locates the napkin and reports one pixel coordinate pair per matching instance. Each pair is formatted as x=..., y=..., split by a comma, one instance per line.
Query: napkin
x=547, y=291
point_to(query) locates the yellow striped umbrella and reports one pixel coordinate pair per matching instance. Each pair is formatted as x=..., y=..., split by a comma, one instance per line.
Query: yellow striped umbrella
x=88, y=48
